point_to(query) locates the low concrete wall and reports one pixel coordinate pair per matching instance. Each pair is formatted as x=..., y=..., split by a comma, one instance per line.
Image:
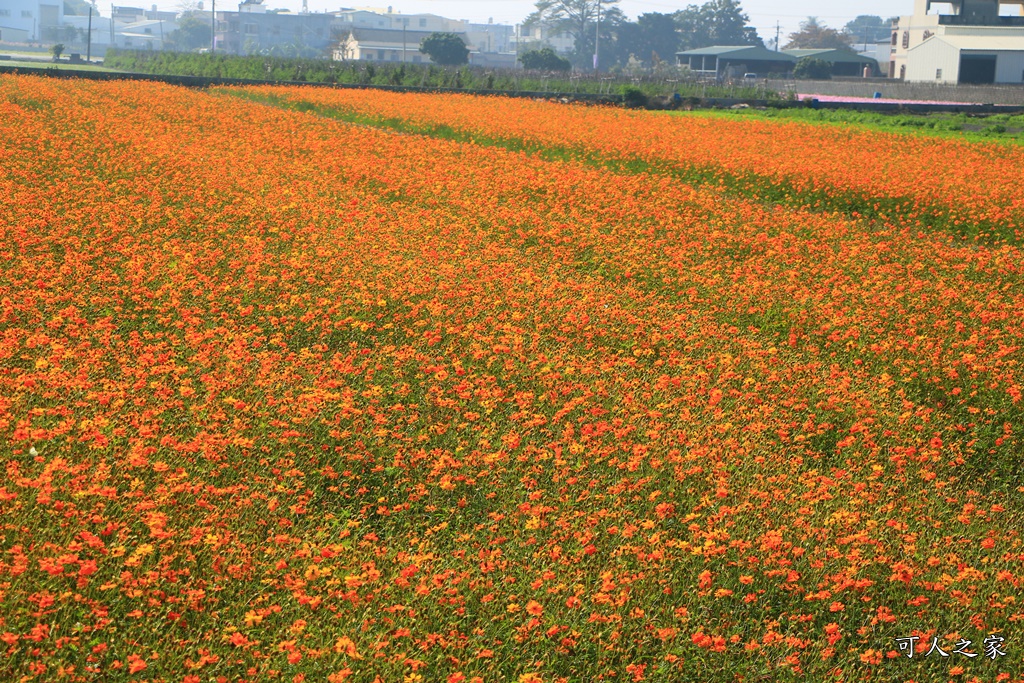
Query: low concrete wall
x=900, y=90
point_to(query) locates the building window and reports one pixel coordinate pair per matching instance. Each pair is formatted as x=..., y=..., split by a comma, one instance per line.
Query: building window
x=903, y=71
x=894, y=36
x=148, y=31
x=416, y=59
x=251, y=29
x=26, y=14
x=892, y=69
x=394, y=55
x=906, y=39
x=938, y=74
x=423, y=23
x=368, y=56
x=380, y=54
x=927, y=35
x=5, y=12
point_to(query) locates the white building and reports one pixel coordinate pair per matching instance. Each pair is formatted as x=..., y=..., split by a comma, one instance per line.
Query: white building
x=361, y=18
x=977, y=41
x=383, y=45
x=536, y=36
x=30, y=20
x=150, y=34
x=972, y=58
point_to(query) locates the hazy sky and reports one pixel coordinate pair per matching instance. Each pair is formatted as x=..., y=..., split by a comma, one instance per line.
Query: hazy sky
x=763, y=13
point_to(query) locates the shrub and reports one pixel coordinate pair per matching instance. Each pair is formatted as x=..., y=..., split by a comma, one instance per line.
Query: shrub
x=445, y=48
x=812, y=68
x=634, y=98
x=544, y=59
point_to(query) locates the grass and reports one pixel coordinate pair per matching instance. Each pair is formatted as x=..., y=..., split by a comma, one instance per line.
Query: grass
x=979, y=128
x=34, y=67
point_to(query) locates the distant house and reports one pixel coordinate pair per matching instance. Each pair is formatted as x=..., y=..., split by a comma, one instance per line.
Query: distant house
x=542, y=34
x=144, y=35
x=30, y=20
x=843, y=62
x=492, y=37
x=382, y=45
x=733, y=61
x=254, y=27
x=360, y=18
x=429, y=23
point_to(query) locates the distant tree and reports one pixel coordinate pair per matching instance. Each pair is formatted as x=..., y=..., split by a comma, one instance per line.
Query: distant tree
x=815, y=34
x=78, y=8
x=652, y=38
x=868, y=28
x=578, y=18
x=717, y=22
x=812, y=68
x=447, y=49
x=544, y=59
x=192, y=33
x=57, y=49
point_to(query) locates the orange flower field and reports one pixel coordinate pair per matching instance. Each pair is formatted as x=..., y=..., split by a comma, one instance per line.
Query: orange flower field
x=968, y=184
x=285, y=398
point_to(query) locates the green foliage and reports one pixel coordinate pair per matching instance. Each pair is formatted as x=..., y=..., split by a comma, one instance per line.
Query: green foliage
x=812, y=68
x=717, y=22
x=192, y=33
x=577, y=18
x=268, y=68
x=544, y=59
x=446, y=49
x=634, y=98
x=814, y=34
x=998, y=127
x=652, y=39
x=56, y=50
x=868, y=28
x=79, y=8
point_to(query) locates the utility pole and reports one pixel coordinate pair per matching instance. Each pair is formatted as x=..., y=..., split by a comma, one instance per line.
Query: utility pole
x=597, y=35
x=213, y=26
x=88, y=41
x=405, y=22
x=777, y=30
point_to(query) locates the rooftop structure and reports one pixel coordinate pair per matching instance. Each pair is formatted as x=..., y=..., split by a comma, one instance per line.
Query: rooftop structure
x=980, y=24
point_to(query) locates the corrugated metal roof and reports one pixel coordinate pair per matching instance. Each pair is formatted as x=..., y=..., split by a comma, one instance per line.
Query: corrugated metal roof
x=831, y=55
x=751, y=52
x=981, y=43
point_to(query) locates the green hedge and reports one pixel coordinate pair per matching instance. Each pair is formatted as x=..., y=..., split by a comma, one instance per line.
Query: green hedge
x=422, y=75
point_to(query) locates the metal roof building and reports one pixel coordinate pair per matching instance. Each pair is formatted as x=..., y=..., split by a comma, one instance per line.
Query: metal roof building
x=844, y=62
x=733, y=61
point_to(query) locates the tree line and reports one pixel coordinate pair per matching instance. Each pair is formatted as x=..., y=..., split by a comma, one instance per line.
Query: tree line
x=656, y=37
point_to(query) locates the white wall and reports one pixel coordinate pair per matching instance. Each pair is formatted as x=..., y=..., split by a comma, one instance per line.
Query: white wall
x=13, y=35
x=924, y=59
x=22, y=14
x=1010, y=67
